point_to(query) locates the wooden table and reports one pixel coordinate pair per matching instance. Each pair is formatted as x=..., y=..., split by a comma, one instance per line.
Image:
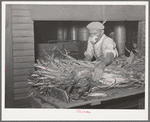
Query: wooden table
x=117, y=98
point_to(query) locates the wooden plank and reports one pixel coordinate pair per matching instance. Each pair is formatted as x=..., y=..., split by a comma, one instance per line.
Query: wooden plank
x=21, y=6
x=24, y=59
x=23, y=39
x=21, y=96
x=22, y=13
x=9, y=60
x=26, y=33
x=26, y=20
x=23, y=53
x=21, y=101
x=23, y=71
x=23, y=84
x=119, y=93
x=22, y=26
x=23, y=65
x=21, y=90
x=23, y=46
x=20, y=78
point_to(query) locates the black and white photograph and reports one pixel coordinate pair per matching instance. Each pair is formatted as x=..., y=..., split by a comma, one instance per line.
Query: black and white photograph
x=81, y=60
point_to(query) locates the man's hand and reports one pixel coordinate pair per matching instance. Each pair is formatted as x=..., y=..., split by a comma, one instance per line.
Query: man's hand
x=98, y=72
x=87, y=58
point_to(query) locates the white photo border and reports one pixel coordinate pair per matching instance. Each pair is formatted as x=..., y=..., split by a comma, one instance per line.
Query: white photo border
x=71, y=114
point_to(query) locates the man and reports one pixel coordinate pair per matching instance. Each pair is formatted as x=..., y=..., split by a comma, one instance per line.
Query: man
x=101, y=47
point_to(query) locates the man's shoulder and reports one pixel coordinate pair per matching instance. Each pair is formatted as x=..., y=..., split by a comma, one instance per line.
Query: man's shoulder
x=108, y=39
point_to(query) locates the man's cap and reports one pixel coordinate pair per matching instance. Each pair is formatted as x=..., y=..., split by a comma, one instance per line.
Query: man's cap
x=95, y=25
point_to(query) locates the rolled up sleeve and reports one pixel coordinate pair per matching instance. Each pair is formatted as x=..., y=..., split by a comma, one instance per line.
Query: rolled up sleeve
x=109, y=46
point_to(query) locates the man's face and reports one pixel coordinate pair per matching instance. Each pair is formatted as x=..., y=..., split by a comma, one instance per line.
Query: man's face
x=96, y=34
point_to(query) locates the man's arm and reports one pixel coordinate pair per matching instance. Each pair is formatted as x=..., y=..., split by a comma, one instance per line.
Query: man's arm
x=99, y=68
x=89, y=51
x=106, y=61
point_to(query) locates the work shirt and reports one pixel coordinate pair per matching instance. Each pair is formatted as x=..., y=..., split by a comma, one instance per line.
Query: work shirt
x=101, y=48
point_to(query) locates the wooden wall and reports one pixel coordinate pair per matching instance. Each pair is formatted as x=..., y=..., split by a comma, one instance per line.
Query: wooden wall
x=22, y=52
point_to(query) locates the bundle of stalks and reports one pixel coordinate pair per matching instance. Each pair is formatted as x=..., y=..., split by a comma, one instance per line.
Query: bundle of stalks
x=61, y=70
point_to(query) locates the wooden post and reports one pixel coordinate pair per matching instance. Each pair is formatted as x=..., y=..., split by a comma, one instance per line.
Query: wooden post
x=9, y=60
x=141, y=35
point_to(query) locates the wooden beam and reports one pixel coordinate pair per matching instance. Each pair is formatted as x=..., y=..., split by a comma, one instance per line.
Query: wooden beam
x=67, y=12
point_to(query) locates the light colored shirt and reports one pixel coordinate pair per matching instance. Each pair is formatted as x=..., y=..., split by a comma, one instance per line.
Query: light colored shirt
x=101, y=48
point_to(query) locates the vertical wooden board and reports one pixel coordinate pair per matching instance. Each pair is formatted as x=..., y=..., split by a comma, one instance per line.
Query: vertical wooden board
x=23, y=71
x=23, y=33
x=18, y=20
x=23, y=39
x=23, y=84
x=9, y=60
x=23, y=53
x=20, y=78
x=23, y=65
x=22, y=13
x=141, y=35
x=23, y=46
x=21, y=6
x=24, y=59
x=22, y=26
